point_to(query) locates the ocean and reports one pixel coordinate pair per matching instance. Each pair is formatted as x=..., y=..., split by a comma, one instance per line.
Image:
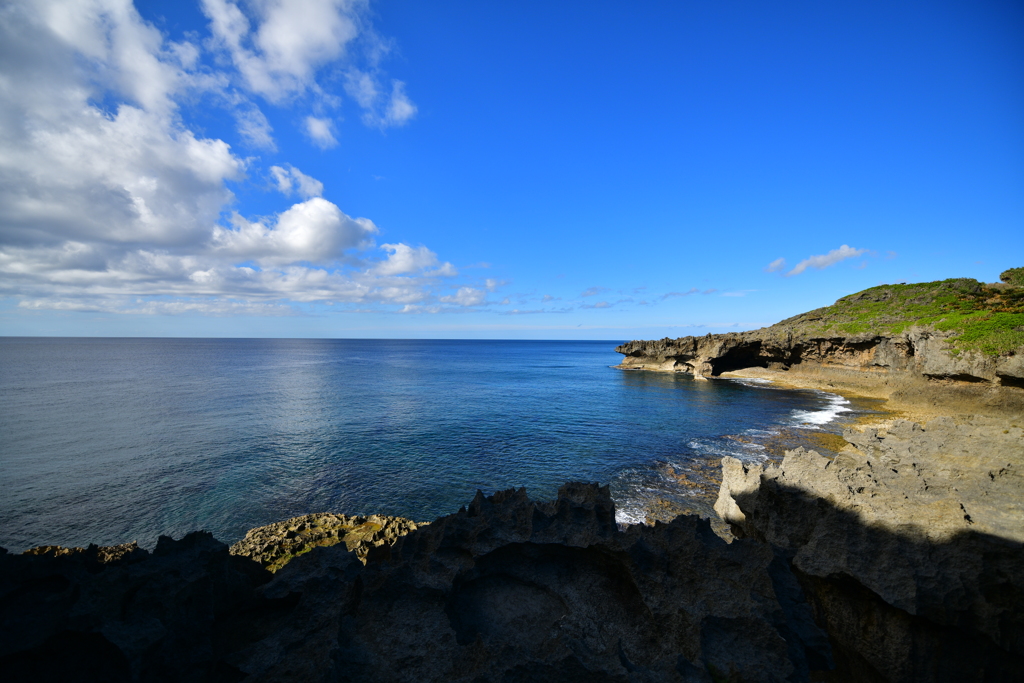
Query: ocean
x=112, y=440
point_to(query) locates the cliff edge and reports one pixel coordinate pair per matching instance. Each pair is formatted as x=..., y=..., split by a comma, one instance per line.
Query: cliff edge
x=909, y=545
x=955, y=345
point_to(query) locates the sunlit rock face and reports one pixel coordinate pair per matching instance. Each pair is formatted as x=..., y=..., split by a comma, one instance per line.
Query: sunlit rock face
x=909, y=545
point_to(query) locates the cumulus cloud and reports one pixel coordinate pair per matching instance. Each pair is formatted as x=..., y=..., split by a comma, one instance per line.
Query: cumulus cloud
x=315, y=231
x=281, y=44
x=825, y=260
x=466, y=296
x=110, y=202
x=405, y=259
x=775, y=266
x=593, y=291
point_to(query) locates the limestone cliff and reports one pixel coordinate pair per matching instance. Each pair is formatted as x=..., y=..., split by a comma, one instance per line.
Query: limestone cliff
x=909, y=545
x=951, y=344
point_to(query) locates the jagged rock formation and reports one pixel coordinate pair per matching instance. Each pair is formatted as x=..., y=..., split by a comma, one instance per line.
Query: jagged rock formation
x=274, y=545
x=909, y=544
x=98, y=614
x=505, y=590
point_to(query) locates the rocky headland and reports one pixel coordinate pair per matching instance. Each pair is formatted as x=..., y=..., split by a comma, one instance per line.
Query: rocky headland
x=955, y=346
x=899, y=558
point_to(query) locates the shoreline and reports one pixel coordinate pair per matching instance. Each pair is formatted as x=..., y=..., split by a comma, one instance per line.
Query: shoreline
x=693, y=488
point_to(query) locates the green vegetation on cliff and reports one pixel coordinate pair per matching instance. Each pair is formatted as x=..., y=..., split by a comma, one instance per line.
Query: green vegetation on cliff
x=984, y=317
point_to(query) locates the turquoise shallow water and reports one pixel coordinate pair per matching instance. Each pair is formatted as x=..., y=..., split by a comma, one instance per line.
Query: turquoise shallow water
x=110, y=440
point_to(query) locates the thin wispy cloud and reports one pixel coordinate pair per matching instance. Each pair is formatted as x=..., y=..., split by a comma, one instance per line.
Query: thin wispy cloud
x=321, y=132
x=290, y=180
x=823, y=261
x=689, y=292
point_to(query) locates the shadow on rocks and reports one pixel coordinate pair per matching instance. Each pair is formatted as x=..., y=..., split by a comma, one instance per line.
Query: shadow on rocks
x=507, y=589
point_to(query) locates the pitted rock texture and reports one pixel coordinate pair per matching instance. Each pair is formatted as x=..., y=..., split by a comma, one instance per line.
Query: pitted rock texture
x=515, y=590
x=274, y=545
x=909, y=543
x=914, y=368
x=919, y=352
x=506, y=590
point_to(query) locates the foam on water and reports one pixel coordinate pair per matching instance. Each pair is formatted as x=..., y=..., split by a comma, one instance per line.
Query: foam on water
x=837, y=405
x=643, y=494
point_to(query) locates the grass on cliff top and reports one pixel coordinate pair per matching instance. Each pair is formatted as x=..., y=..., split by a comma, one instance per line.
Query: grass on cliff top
x=985, y=317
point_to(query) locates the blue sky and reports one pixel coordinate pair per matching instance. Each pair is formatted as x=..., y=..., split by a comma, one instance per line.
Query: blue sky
x=295, y=168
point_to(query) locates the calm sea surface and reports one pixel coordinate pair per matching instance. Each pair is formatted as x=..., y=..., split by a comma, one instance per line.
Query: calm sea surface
x=110, y=440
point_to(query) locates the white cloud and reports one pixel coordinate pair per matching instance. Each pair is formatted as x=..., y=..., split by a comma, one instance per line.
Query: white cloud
x=279, y=47
x=290, y=179
x=314, y=231
x=400, y=109
x=321, y=132
x=254, y=127
x=775, y=266
x=593, y=291
x=72, y=171
x=466, y=296
x=117, y=206
x=825, y=260
x=403, y=259
x=380, y=110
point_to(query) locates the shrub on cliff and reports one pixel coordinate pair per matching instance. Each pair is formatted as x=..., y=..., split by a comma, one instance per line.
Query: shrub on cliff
x=1013, y=276
x=986, y=318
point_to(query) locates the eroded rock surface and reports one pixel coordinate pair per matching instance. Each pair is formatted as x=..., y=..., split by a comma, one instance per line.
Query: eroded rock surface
x=274, y=545
x=507, y=589
x=909, y=543
x=514, y=590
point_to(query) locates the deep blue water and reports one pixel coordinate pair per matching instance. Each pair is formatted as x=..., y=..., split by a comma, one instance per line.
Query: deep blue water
x=110, y=440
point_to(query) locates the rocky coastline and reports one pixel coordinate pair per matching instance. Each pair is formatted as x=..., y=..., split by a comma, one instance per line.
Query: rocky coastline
x=899, y=557
x=878, y=343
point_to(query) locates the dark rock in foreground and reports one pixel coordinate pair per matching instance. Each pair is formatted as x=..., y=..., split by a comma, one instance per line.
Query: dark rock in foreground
x=506, y=590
